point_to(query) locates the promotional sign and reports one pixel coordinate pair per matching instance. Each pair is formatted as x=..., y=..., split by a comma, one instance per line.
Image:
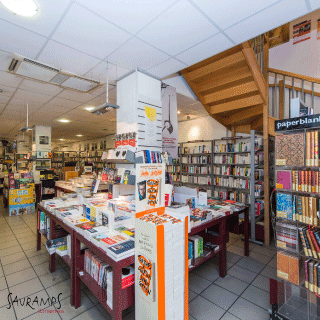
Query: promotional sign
x=22, y=201
x=312, y=121
x=318, y=29
x=169, y=121
x=150, y=181
x=302, y=31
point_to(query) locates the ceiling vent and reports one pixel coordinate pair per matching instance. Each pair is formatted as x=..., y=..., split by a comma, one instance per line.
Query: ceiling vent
x=35, y=70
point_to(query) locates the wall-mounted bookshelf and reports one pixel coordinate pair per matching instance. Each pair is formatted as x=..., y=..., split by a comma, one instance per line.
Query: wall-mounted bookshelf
x=224, y=167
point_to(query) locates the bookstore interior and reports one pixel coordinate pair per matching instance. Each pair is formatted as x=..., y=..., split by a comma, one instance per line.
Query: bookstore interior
x=161, y=177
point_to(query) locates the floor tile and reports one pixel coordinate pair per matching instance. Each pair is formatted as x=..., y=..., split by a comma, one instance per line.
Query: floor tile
x=273, y=262
x=12, y=258
x=232, y=284
x=9, y=251
x=192, y=295
x=63, y=288
x=207, y=272
x=24, y=310
x=53, y=278
x=240, y=243
x=221, y=297
x=269, y=272
x=259, y=257
x=197, y=283
x=4, y=297
x=29, y=245
x=91, y=296
x=191, y=318
x=6, y=236
x=26, y=288
x=246, y=310
x=1, y=271
x=7, y=314
x=42, y=269
x=233, y=258
x=202, y=309
x=34, y=252
x=30, y=239
x=70, y=312
x=8, y=244
x=229, y=316
x=21, y=276
x=39, y=259
x=257, y=296
x=91, y=314
x=262, y=282
x=249, y=264
x=44, y=315
x=242, y=274
x=15, y=267
x=107, y=316
x=3, y=283
x=267, y=251
x=237, y=250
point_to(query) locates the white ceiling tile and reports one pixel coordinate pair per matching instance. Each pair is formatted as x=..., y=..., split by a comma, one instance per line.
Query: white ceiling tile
x=31, y=96
x=97, y=101
x=137, y=54
x=99, y=91
x=130, y=15
x=68, y=104
x=22, y=104
x=100, y=73
x=40, y=87
x=49, y=107
x=184, y=101
x=5, y=58
x=7, y=91
x=4, y=99
x=205, y=49
x=49, y=13
x=68, y=59
x=87, y=32
x=228, y=12
x=177, y=29
x=266, y=20
x=167, y=68
x=8, y=79
x=315, y=4
x=18, y=40
x=75, y=95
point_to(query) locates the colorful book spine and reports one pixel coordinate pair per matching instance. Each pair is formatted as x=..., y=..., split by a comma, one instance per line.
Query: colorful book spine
x=312, y=148
x=308, y=148
x=316, y=148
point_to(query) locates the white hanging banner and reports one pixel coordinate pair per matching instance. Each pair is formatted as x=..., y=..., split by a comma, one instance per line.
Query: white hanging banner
x=169, y=121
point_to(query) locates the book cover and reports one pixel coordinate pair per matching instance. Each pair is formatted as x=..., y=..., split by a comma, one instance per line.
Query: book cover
x=284, y=179
x=290, y=150
x=284, y=205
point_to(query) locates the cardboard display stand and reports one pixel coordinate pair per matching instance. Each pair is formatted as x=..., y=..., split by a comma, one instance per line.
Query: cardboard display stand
x=22, y=201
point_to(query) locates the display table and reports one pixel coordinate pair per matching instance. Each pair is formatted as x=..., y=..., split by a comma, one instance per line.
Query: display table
x=104, y=187
x=124, y=298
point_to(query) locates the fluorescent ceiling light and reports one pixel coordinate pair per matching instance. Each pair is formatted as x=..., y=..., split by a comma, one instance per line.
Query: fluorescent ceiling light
x=178, y=112
x=79, y=135
x=64, y=120
x=80, y=84
x=89, y=108
x=61, y=139
x=25, y=8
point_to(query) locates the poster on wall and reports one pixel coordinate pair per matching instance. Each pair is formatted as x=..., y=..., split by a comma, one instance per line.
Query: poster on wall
x=318, y=29
x=150, y=180
x=302, y=31
x=169, y=121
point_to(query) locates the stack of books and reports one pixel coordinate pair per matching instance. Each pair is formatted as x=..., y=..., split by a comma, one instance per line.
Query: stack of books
x=310, y=239
x=312, y=275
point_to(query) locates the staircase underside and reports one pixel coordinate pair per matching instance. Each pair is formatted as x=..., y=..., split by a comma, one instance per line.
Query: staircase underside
x=231, y=87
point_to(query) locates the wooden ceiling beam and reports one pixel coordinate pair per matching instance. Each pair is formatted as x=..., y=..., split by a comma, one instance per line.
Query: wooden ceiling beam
x=238, y=104
x=224, y=79
x=243, y=129
x=230, y=92
x=214, y=67
x=244, y=114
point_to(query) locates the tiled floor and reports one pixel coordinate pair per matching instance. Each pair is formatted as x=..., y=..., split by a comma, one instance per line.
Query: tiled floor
x=242, y=294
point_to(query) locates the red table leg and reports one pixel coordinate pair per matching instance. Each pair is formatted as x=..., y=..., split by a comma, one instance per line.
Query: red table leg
x=223, y=252
x=246, y=231
x=116, y=299
x=76, y=279
x=38, y=231
x=73, y=270
x=52, y=264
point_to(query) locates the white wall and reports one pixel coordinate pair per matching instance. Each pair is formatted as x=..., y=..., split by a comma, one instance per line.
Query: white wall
x=204, y=128
x=302, y=58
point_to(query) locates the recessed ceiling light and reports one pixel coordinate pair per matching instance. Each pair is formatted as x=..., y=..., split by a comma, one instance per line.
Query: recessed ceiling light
x=79, y=135
x=89, y=108
x=178, y=112
x=61, y=139
x=64, y=120
x=25, y=8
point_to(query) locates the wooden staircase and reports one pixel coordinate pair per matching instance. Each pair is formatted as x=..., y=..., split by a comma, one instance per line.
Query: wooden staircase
x=231, y=87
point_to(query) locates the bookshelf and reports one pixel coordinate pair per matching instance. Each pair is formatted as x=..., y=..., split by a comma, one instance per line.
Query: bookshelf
x=225, y=166
x=296, y=220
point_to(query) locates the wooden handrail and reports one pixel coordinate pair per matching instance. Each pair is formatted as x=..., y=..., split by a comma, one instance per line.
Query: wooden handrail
x=295, y=75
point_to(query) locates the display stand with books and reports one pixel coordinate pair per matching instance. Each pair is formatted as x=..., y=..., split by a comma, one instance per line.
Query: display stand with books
x=297, y=218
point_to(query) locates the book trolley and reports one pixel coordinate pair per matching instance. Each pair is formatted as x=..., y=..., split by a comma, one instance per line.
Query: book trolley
x=296, y=293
